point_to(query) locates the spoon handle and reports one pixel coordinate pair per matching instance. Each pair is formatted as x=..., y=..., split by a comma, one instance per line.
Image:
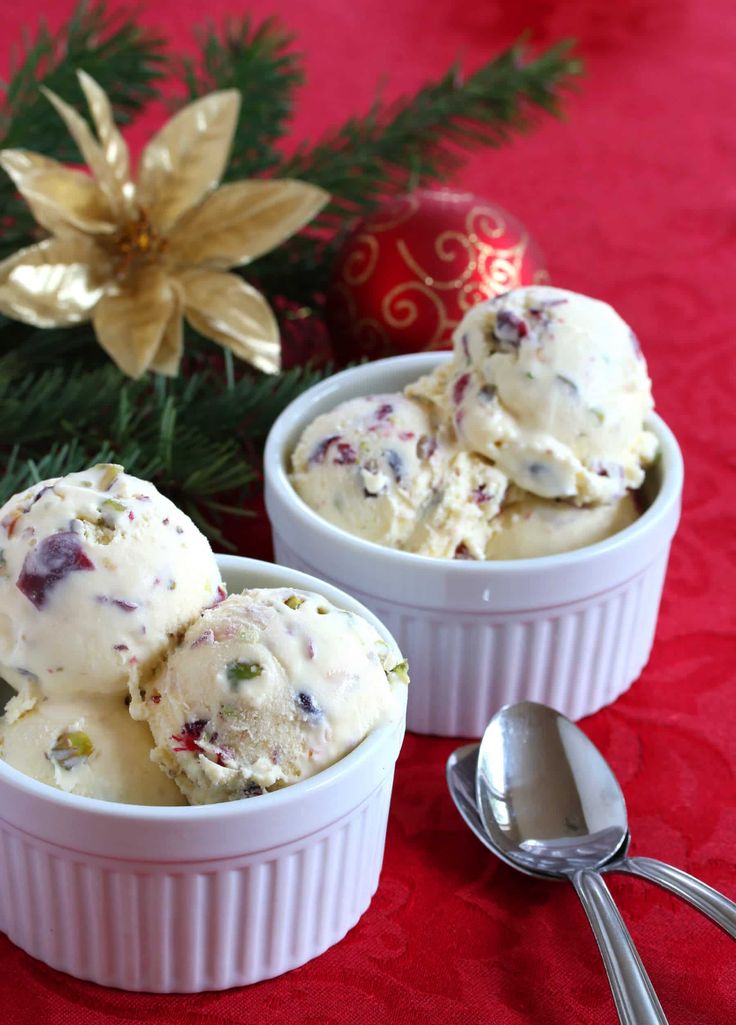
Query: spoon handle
x=703, y=897
x=633, y=993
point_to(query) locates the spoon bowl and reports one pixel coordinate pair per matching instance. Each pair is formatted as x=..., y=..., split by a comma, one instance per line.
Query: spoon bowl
x=546, y=797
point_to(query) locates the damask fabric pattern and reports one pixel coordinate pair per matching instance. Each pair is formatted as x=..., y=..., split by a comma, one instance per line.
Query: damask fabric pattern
x=633, y=200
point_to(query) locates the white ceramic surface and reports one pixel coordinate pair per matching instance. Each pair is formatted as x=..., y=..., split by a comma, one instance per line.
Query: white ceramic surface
x=571, y=630
x=201, y=898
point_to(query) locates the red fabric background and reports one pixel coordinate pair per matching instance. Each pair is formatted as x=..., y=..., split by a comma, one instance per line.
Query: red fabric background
x=633, y=200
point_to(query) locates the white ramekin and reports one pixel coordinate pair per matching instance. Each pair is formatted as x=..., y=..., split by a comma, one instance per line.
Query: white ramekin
x=571, y=630
x=202, y=898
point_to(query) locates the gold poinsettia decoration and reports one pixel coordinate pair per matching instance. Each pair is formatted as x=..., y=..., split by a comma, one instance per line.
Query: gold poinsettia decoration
x=135, y=256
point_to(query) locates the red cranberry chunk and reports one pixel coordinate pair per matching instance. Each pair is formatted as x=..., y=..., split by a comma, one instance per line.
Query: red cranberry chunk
x=459, y=388
x=346, y=454
x=320, y=453
x=509, y=329
x=189, y=736
x=50, y=562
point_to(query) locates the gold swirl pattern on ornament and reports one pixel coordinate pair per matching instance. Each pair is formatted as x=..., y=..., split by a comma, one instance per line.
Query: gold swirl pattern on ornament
x=502, y=267
x=399, y=311
x=485, y=220
x=411, y=205
x=441, y=244
x=362, y=261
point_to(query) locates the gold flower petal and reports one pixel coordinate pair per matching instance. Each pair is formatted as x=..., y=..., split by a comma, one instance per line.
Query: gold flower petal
x=90, y=149
x=53, y=284
x=168, y=356
x=114, y=147
x=133, y=322
x=229, y=310
x=241, y=221
x=59, y=198
x=187, y=158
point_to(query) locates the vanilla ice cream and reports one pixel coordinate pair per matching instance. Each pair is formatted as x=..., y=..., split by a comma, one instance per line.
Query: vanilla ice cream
x=265, y=689
x=552, y=387
x=528, y=527
x=370, y=466
x=533, y=437
x=381, y=468
x=98, y=573
x=86, y=745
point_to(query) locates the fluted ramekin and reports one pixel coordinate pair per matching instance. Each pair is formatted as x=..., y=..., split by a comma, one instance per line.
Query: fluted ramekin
x=571, y=630
x=198, y=898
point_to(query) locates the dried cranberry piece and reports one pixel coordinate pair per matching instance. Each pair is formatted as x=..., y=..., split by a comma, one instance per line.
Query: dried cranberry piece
x=509, y=329
x=51, y=561
x=384, y=410
x=346, y=454
x=121, y=603
x=320, y=453
x=189, y=736
x=459, y=388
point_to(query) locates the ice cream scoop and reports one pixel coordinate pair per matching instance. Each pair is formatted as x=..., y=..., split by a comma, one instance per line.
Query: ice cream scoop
x=528, y=527
x=381, y=468
x=98, y=574
x=86, y=745
x=552, y=386
x=370, y=466
x=265, y=689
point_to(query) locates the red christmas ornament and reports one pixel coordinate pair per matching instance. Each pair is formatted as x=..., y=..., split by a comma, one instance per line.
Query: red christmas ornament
x=407, y=274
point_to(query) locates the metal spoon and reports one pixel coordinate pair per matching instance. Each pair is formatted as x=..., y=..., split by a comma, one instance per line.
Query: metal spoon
x=461, y=776
x=550, y=806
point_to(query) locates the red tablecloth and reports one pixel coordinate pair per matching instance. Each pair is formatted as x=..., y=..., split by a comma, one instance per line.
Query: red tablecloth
x=633, y=199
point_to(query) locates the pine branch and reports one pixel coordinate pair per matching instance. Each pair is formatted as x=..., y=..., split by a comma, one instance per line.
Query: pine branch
x=408, y=144
x=256, y=61
x=196, y=438
x=420, y=139
x=124, y=58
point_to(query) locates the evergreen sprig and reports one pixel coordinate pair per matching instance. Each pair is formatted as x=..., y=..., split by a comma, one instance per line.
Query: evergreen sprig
x=199, y=437
x=258, y=61
x=410, y=143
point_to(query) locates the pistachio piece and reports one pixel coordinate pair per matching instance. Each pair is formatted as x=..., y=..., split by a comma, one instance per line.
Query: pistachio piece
x=71, y=748
x=109, y=473
x=112, y=503
x=237, y=672
x=399, y=673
